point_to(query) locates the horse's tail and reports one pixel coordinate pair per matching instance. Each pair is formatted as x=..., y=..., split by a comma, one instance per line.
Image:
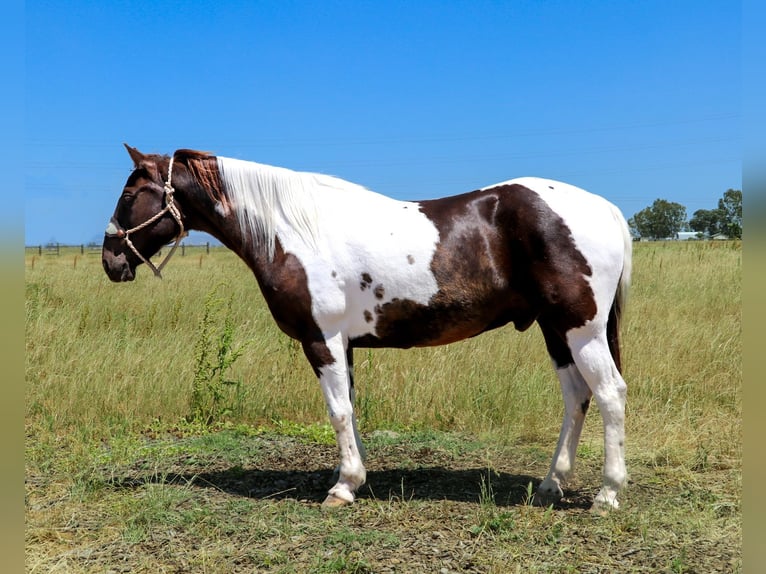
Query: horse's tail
x=621, y=295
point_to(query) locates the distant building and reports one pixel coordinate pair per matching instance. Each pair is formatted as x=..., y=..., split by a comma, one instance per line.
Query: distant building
x=687, y=235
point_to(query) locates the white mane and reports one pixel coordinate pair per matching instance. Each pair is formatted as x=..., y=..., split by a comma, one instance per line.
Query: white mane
x=261, y=195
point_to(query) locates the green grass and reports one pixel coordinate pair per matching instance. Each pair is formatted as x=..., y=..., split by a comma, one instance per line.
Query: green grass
x=116, y=466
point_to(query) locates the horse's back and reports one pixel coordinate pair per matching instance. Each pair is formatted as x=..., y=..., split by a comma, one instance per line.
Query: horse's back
x=589, y=217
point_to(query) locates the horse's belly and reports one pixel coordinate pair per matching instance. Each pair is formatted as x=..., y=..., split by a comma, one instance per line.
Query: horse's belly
x=404, y=324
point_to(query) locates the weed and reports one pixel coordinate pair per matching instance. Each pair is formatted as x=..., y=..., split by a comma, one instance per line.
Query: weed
x=529, y=494
x=214, y=354
x=357, y=538
x=554, y=533
x=486, y=494
x=494, y=523
x=313, y=433
x=157, y=505
x=347, y=563
x=678, y=563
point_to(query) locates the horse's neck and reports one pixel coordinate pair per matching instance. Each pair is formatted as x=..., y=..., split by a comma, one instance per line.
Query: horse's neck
x=201, y=213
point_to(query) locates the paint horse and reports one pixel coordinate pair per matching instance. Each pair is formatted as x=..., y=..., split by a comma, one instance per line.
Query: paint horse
x=343, y=267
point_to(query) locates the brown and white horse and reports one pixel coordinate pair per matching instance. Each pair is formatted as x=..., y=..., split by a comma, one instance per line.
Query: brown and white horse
x=343, y=267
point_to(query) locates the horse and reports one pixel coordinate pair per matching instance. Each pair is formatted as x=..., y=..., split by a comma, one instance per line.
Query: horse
x=342, y=267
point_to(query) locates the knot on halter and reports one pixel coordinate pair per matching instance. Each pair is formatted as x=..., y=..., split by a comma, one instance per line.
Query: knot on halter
x=169, y=191
x=113, y=228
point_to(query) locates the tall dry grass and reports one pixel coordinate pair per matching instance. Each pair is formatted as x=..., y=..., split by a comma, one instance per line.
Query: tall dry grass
x=683, y=351
x=102, y=357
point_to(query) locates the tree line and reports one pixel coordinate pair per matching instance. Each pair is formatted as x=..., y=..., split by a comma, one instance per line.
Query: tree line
x=665, y=219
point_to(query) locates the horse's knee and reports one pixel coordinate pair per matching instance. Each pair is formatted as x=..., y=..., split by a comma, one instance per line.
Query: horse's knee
x=339, y=421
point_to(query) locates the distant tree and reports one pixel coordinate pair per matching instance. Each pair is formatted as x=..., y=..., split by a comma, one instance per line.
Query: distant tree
x=640, y=223
x=726, y=218
x=707, y=221
x=662, y=219
x=730, y=206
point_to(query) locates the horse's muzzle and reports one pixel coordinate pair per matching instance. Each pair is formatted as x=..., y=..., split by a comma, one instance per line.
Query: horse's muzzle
x=117, y=267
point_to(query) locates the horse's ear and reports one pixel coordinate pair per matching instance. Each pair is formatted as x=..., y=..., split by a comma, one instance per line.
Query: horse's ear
x=135, y=155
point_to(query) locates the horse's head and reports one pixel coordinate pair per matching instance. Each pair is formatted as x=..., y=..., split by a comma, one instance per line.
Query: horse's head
x=145, y=219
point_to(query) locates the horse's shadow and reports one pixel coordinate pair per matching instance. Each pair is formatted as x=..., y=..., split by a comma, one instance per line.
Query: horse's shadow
x=423, y=483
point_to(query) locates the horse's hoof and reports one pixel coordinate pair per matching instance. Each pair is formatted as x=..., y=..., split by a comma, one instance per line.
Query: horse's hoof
x=547, y=495
x=605, y=502
x=603, y=508
x=332, y=502
x=544, y=500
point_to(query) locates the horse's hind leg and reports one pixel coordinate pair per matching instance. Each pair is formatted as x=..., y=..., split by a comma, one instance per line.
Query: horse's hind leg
x=591, y=354
x=576, y=394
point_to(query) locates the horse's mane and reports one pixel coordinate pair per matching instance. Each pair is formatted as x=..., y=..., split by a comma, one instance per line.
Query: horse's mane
x=261, y=194
x=204, y=169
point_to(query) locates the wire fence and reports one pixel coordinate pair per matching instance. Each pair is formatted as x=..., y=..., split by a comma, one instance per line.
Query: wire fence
x=55, y=249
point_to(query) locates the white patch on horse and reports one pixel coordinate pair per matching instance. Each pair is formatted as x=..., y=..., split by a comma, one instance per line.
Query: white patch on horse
x=379, y=248
x=356, y=235
x=221, y=209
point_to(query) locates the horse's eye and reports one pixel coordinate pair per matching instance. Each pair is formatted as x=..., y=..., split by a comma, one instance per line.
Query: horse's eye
x=128, y=198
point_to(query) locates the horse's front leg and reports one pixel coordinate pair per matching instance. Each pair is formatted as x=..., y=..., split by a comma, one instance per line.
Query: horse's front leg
x=329, y=361
x=352, y=398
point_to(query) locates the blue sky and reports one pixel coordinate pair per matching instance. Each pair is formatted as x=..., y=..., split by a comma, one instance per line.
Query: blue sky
x=631, y=100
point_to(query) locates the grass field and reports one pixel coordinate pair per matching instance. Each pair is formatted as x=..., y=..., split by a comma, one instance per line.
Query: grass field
x=121, y=476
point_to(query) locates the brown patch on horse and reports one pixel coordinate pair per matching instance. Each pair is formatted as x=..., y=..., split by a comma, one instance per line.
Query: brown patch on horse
x=556, y=344
x=503, y=256
x=284, y=284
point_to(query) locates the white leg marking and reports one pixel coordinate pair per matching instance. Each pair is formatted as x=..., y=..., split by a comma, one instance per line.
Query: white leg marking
x=592, y=357
x=576, y=399
x=335, y=387
x=355, y=426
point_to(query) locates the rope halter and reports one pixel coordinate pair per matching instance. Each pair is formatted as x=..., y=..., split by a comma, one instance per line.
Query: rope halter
x=114, y=229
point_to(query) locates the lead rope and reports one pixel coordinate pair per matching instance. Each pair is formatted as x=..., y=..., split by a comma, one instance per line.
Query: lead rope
x=170, y=206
